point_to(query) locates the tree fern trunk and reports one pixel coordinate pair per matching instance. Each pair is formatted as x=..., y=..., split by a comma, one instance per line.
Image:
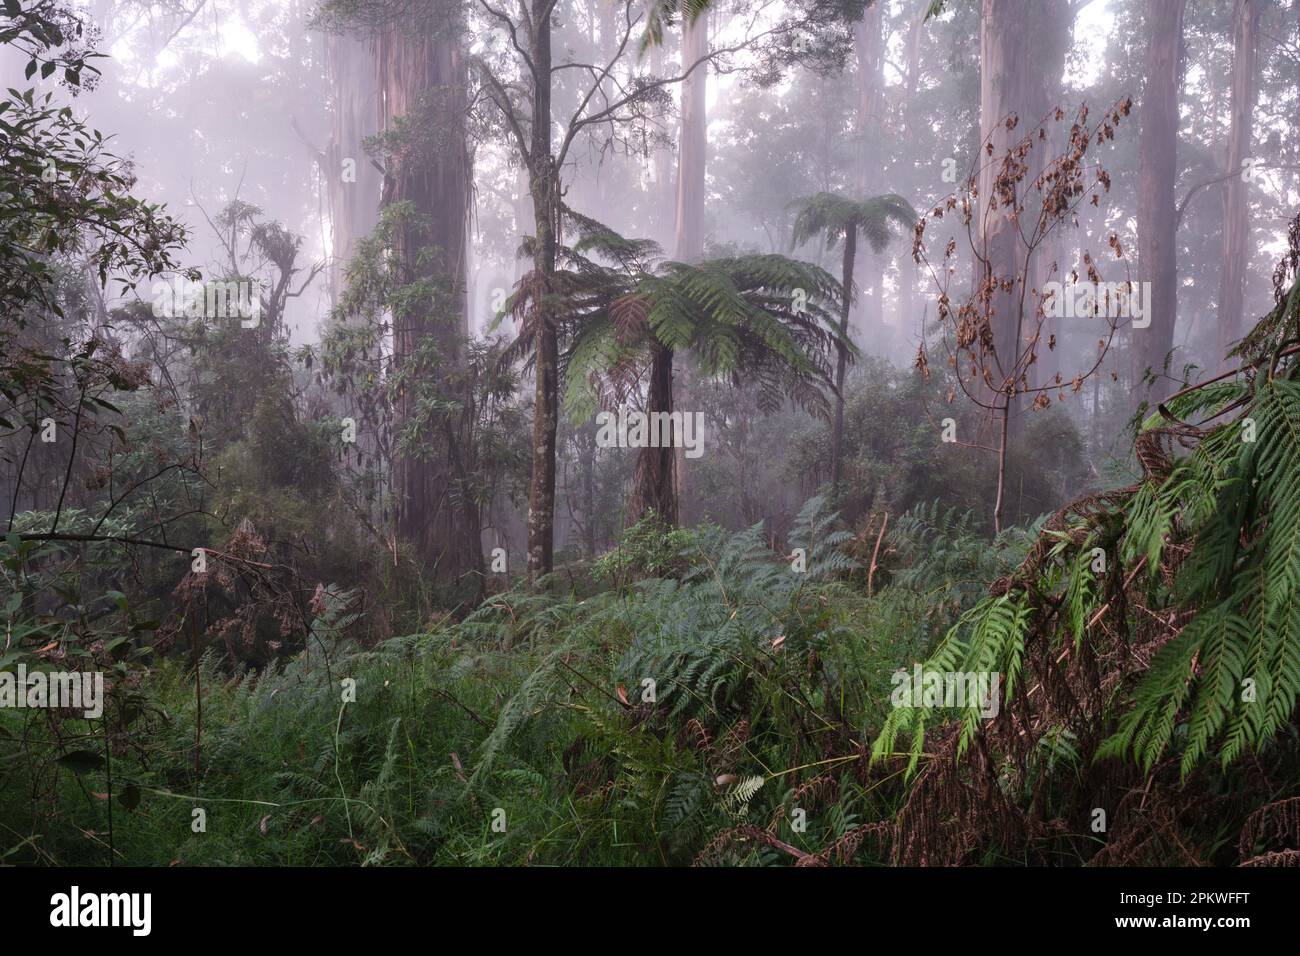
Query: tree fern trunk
x=653, y=486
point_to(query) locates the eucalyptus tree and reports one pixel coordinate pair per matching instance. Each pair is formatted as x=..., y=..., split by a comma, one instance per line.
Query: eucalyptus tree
x=1157, y=214
x=1236, y=209
x=424, y=149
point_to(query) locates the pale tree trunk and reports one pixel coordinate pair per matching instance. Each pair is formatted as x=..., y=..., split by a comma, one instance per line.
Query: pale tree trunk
x=1236, y=225
x=1055, y=21
x=352, y=192
x=907, y=269
x=1157, y=170
x=869, y=44
x=913, y=57
x=688, y=246
x=1019, y=67
x=525, y=221
x=664, y=187
x=607, y=13
x=1005, y=78
x=436, y=512
x=870, y=325
x=1016, y=62
x=693, y=144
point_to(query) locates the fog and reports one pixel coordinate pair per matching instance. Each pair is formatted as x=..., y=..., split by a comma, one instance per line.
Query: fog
x=757, y=349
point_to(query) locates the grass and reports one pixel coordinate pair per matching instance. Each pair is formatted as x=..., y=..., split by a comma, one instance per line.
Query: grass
x=521, y=735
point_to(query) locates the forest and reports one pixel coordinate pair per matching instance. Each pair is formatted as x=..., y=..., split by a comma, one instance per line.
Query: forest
x=650, y=433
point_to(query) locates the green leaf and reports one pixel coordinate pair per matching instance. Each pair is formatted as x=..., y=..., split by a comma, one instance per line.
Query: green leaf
x=81, y=761
x=130, y=796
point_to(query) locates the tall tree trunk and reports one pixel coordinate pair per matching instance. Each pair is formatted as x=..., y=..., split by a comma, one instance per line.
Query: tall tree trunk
x=1236, y=225
x=422, y=75
x=1055, y=21
x=1017, y=58
x=544, y=186
x=664, y=206
x=841, y=364
x=1020, y=64
x=653, y=483
x=353, y=192
x=907, y=268
x=688, y=246
x=869, y=44
x=1157, y=170
x=1005, y=76
x=693, y=143
x=607, y=13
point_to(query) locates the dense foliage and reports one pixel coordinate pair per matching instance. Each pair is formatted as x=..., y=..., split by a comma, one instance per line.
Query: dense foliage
x=384, y=591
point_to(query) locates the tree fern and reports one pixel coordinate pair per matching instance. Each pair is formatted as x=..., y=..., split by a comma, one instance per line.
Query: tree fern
x=1243, y=579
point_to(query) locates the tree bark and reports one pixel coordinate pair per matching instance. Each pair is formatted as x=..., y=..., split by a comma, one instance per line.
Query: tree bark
x=424, y=73
x=688, y=242
x=869, y=45
x=352, y=204
x=1157, y=170
x=664, y=188
x=1004, y=79
x=1021, y=59
x=1236, y=225
x=907, y=268
x=544, y=186
x=653, y=483
x=692, y=144
x=1018, y=56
